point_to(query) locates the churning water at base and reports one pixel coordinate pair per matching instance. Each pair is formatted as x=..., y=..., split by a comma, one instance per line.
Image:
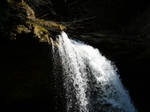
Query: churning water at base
x=90, y=80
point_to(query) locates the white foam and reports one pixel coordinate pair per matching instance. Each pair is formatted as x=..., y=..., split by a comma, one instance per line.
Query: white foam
x=90, y=80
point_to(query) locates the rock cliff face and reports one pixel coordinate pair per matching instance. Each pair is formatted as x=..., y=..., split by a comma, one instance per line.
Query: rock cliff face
x=120, y=29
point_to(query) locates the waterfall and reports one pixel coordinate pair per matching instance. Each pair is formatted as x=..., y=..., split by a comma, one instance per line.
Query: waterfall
x=90, y=80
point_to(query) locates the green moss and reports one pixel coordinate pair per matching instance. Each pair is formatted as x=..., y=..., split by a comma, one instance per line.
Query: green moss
x=22, y=28
x=30, y=24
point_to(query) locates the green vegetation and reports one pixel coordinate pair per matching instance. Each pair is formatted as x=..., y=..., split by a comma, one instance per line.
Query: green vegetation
x=25, y=21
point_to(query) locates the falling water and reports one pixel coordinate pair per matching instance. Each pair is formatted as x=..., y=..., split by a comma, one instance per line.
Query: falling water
x=90, y=80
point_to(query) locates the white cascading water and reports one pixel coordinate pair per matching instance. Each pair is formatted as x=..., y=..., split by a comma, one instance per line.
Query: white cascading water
x=90, y=80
